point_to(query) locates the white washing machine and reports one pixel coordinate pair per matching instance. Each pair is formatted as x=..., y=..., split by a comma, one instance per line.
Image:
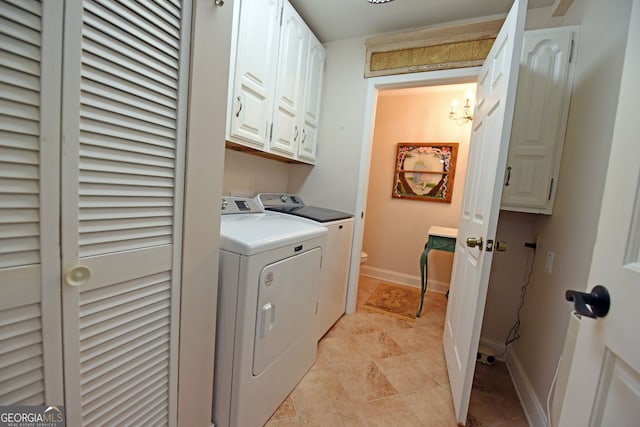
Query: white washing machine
x=270, y=268
x=332, y=297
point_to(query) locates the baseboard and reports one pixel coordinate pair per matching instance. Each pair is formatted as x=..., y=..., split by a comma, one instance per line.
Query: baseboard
x=533, y=410
x=402, y=278
x=496, y=346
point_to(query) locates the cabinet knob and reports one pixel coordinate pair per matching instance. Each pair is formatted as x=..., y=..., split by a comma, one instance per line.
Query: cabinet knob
x=77, y=276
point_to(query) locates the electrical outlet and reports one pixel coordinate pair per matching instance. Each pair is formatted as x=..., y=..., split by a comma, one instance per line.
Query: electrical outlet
x=548, y=265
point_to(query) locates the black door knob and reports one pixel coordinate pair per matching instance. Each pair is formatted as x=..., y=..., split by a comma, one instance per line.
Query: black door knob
x=594, y=304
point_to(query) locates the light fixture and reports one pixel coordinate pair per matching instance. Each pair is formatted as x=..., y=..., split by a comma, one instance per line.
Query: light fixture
x=379, y=1
x=467, y=112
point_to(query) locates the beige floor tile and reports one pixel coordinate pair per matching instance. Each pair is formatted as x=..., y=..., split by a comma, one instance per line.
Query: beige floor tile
x=378, y=345
x=433, y=406
x=320, y=392
x=433, y=363
x=404, y=373
x=365, y=382
x=286, y=410
x=377, y=370
x=347, y=417
x=413, y=340
x=286, y=422
x=339, y=351
x=391, y=411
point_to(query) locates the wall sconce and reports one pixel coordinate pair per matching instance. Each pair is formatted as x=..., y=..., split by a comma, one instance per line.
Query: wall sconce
x=467, y=111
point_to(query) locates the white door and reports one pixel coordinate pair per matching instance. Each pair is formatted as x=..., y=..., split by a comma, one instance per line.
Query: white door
x=604, y=382
x=30, y=329
x=123, y=125
x=255, y=72
x=481, y=204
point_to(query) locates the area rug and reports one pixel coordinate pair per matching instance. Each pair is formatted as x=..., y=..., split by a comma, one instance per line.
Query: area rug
x=396, y=300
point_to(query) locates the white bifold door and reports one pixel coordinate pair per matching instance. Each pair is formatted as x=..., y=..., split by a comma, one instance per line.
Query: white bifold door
x=95, y=203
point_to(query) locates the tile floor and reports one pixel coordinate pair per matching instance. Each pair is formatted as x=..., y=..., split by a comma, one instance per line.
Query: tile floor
x=376, y=370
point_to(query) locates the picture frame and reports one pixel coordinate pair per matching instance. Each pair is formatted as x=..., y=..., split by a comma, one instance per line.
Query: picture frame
x=425, y=171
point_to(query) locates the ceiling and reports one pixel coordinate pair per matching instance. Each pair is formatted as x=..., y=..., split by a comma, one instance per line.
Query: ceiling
x=344, y=19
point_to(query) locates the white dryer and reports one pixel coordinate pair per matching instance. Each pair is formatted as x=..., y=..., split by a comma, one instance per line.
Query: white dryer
x=332, y=297
x=268, y=286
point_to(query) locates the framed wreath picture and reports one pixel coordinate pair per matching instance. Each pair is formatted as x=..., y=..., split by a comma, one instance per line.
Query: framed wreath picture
x=425, y=171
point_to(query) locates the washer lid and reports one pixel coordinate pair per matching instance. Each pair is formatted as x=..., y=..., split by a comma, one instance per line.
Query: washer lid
x=250, y=234
x=314, y=213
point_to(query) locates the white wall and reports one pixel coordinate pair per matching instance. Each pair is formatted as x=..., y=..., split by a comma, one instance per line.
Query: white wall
x=247, y=175
x=509, y=273
x=570, y=231
x=395, y=230
x=201, y=231
x=333, y=182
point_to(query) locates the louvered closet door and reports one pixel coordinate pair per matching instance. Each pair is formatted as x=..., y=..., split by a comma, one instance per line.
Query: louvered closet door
x=124, y=98
x=30, y=329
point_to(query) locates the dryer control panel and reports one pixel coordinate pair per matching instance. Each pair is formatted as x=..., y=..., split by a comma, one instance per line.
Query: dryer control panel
x=239, y=205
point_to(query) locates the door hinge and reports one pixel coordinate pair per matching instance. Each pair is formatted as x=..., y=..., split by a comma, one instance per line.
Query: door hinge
x=550, y=189
x=571, y=51
x=281, y=13
x=271, y=133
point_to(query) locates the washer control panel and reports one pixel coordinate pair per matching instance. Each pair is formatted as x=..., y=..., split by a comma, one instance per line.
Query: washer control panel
x=279, y=200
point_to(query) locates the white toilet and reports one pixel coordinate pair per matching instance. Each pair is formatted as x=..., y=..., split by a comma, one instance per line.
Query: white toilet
x=363, y=257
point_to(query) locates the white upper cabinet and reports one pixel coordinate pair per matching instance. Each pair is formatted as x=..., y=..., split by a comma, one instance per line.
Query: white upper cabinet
x=254, y=80
x=287, y=110
x=275, y=83
x=539, y=122
x=312, y=99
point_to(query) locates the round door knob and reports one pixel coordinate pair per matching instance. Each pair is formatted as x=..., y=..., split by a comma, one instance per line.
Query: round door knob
x=472, y=242
x=77, y=276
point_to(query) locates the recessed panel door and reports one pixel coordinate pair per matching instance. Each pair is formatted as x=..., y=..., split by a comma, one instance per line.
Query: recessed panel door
x=480, y=207
x=604, y=383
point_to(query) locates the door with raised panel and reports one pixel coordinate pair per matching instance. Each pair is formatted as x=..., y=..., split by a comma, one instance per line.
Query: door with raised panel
x=123, y=127
x=539, y=121
x=255, y=71
x=312, y=99
x=30, y=328
x=292, y=60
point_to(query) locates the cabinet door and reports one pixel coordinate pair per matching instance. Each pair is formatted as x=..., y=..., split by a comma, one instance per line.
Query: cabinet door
x=539, y=121
x=255, y=72
x=124, y=122
x=292, y=60
x=30, y=332
x=312, y=99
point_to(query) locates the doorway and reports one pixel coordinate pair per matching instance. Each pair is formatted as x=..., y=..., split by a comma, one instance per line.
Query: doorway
x=395, y=229
x=375, y=86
